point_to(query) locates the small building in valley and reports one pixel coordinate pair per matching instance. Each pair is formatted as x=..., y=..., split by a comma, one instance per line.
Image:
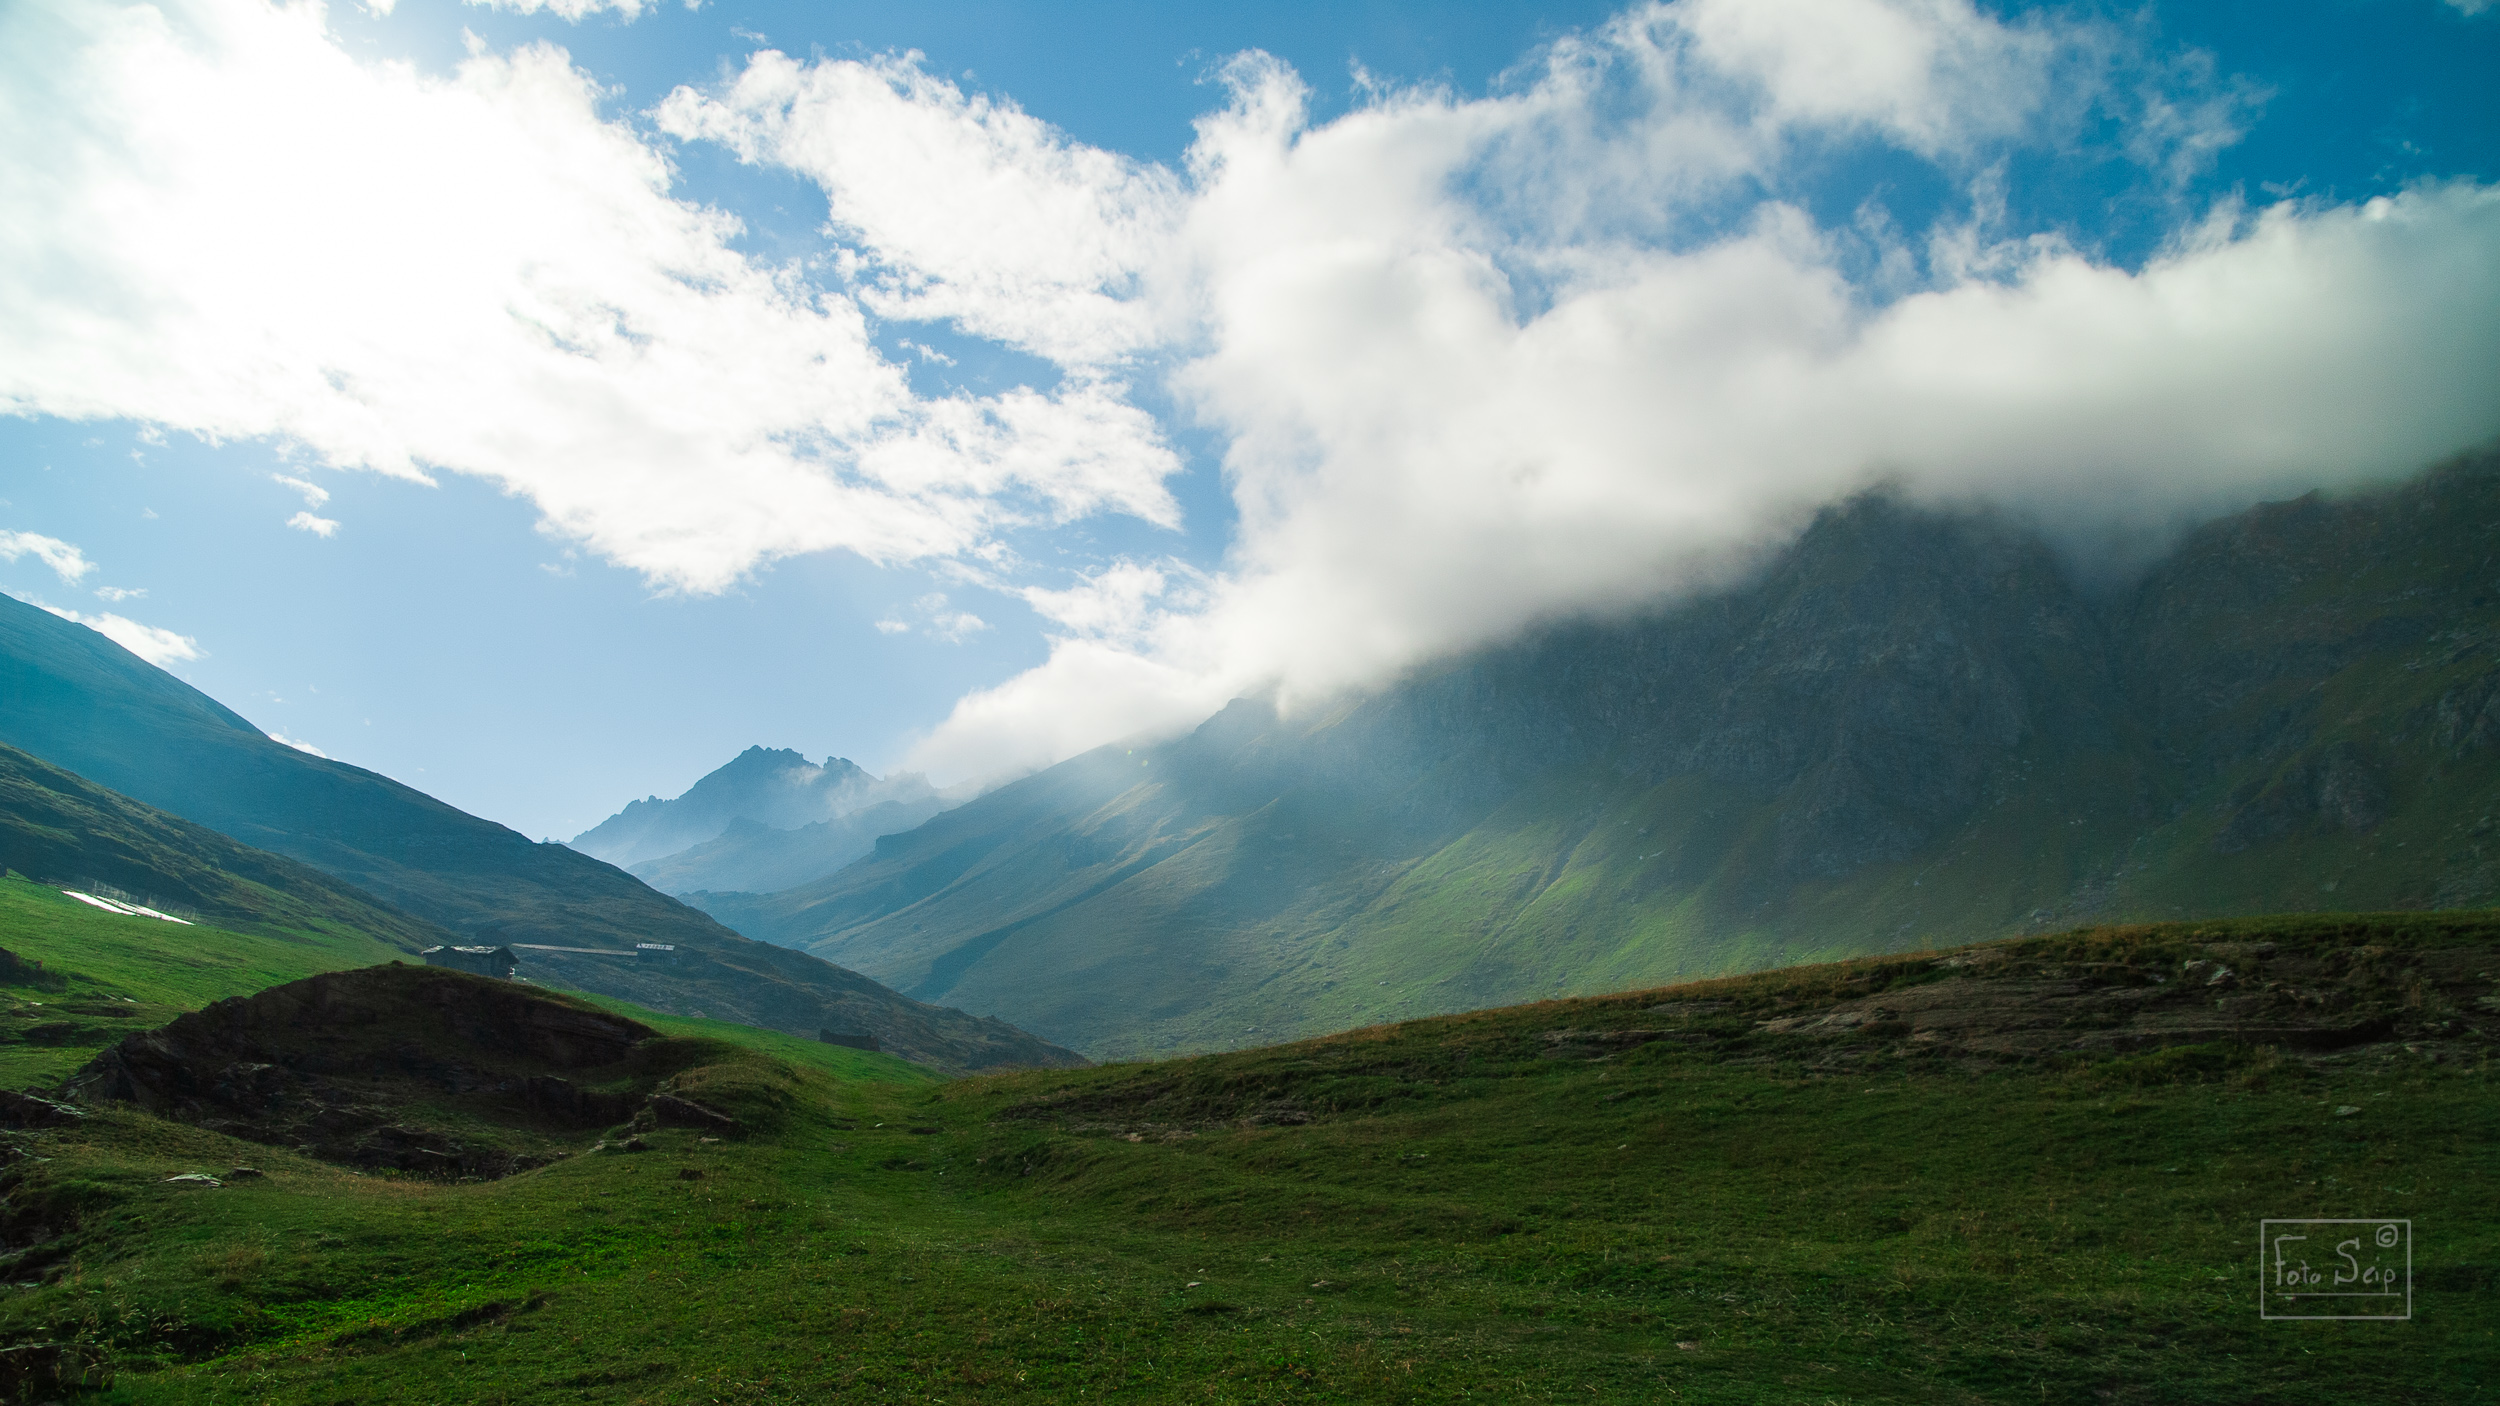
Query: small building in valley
x=856, y=1042
x=496, y=962
x=663, y=952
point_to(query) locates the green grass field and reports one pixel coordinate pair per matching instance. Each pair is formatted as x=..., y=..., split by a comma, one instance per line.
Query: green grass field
x=1440, y=1211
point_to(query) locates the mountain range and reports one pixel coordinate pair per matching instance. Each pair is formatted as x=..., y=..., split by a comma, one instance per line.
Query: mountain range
x=84, y=705
x=768, y=819
x=1912, y=727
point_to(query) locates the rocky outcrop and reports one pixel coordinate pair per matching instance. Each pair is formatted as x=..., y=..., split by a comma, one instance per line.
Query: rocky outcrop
x=2129, y=1005
x=2334, y=786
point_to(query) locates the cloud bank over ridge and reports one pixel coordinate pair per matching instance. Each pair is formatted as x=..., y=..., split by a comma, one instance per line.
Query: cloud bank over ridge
x=1479, y=362
x=1473, y=361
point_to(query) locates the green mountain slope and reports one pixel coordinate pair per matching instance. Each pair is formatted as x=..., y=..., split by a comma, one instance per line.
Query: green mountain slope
x=2028, y=1172
x=1912, y=727
x=59, y=827
x=81, y=702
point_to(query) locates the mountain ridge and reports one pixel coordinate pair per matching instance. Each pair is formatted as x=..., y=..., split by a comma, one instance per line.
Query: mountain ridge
x=1912, y=727
x=751, y=855
x=57, y=826
x=772, y=787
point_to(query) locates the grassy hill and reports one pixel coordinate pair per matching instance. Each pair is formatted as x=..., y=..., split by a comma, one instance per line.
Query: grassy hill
x=82, y=703
x=2027, y=1172
x=1914, y=727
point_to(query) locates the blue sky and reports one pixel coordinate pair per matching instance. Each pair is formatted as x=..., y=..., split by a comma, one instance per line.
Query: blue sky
x=395, y=377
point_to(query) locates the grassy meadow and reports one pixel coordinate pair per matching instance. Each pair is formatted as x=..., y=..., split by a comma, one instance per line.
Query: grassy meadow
x=1465, y=1208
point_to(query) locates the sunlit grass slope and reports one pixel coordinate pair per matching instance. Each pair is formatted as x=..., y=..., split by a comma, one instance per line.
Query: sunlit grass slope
x=105, y=975
x=1642, y=1198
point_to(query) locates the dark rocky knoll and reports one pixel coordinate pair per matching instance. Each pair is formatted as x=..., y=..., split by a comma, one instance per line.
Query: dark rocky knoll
x=417, y=1069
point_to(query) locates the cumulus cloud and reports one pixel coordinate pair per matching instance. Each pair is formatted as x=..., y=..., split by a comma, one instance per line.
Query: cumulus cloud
x=1932, y=74
x=66, y=561
x=156, y=645
x=480, y=275
x=314, y=494
x=940, y=619
x=115, y=595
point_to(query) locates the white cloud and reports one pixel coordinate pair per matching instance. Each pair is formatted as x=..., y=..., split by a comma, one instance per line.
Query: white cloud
x=65, y=560
x=967, y=209
x=485, y=278
x=1115, y=603
x=1934, y=74
x=942, y=621
x=314, y=494
x=574, y=10
x=299, y=745
x=317, y=526
x=955, y=627
x=115, y=595
x=151, y=643
x=2471, y=7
